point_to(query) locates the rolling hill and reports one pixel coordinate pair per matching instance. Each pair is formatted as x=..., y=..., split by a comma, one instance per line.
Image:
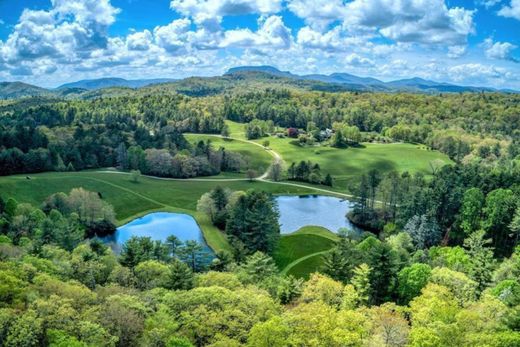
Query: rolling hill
x=241, y=78
x=352, y=82
x=113, y=82
x=13, y=90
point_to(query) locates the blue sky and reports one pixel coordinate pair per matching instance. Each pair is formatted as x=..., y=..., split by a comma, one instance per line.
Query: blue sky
x=50, y=42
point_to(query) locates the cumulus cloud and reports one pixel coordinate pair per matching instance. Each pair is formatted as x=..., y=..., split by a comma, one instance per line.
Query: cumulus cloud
x=418, y=21
x=139, y=41
x=357, y=60
x=272, y=33
x=209, y=13
x=173, y=36
x=456, y=51
x=512, y=11
x=477, y=72
x=333, y=40
x=499, y=50
x=318, y=13
x=69, y=27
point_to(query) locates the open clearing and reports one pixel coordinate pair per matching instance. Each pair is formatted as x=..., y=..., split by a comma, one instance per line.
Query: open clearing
x=346, y=165
x=299, y=253
x=256, y=158
x=130, y=199
x=297, y=247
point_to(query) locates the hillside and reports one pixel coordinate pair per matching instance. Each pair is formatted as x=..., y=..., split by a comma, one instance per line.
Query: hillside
x=113, y=82
x=242, y=78
x=13, y=90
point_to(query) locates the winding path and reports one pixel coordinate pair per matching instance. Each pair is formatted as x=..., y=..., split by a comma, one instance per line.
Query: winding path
x=262, y=178
x=299, y=260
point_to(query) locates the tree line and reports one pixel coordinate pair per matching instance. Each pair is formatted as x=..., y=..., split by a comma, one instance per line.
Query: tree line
x=385, y=291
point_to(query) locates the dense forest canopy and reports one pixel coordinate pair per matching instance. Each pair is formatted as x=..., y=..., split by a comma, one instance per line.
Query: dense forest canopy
x=86, y=133
x=438, y=264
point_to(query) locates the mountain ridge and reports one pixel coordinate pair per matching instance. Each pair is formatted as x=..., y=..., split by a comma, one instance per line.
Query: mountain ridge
x=334, y=82
x=414, y=84
x=110, y=82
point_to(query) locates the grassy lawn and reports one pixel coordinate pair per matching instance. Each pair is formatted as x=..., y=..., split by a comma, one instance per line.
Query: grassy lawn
x=236, y=130
x=302, y=243
x=299, y=253
x=255, y=157
x=315, y=230
x=347, y=163
x=133, y=199
x=306, y=267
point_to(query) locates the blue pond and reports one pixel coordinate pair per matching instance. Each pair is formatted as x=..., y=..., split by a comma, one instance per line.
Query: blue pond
x=158, y=226
x=295, y=212
x=319, y=210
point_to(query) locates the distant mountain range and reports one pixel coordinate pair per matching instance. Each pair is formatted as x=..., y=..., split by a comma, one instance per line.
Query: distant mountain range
x=113, y=82
x=269, y=74
x=12, y=90
x=367, y=83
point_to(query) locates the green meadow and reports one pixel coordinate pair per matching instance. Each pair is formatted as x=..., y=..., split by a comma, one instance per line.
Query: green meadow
x=299, y=253
x=131, y=199
x=352, y=162
x=256, y=158
x=309, y=242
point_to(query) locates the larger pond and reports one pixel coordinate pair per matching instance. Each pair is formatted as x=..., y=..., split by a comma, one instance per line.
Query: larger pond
x=295, y=212
x=325, y=211
x=158, y=226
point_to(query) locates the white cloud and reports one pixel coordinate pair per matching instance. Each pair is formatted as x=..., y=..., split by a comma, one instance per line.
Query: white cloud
x=499, y=50
x=478, y=72
x=209, y=13
x=71, y=29
x=272, y=33
x=333, y=40
x=513, y=10
x=173, y=36
x=456, y=51
x=357, y=60
x=87, y=12
x=139, y=41
x=488, y=3
x=417, y=21
x=318, y=13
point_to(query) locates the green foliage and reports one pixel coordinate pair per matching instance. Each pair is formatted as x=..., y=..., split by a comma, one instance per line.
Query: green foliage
x=254, y=221
x=498, y=211
x=412, y=280
x=361, y=283
x=472, y=205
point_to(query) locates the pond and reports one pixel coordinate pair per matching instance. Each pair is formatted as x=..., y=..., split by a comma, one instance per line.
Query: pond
x=325, y=211
x=158, y=226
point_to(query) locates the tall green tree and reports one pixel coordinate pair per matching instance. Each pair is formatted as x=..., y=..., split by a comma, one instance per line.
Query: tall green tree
x=471, y=212
x=499, y=210
x=383, y=261
x=254, y=221
x=481, y=258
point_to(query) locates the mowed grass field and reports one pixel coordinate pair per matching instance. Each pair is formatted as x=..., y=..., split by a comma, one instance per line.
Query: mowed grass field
x=256, y=158
x=350, y=163
x=130, y=199
x=307, y=243
x=299, y=253
x=307, y=266
x=346, y=165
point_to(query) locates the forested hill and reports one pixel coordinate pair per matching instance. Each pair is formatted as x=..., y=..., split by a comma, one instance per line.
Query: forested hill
x=239, y=78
